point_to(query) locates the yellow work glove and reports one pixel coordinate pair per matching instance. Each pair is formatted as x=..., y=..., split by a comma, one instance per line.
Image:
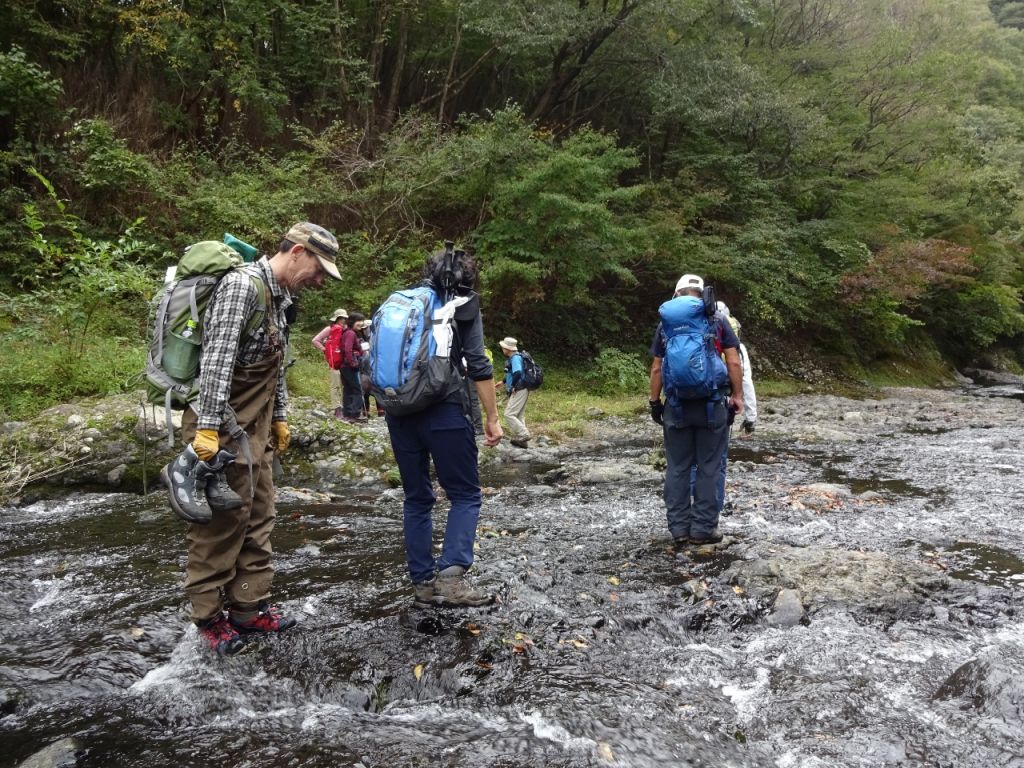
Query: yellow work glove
x=206, y=444
x=282, y=435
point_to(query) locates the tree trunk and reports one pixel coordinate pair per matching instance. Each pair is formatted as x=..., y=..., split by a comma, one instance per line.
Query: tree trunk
x=401, y=51
x=451, y=65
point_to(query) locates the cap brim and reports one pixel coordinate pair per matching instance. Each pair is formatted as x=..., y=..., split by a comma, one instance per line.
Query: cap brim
x=329, y=266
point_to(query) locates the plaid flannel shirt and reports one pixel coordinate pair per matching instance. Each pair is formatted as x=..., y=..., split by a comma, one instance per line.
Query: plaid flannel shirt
x=233, y=303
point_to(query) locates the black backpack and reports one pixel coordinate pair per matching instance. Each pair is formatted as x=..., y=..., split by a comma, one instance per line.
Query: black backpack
x=533, y=374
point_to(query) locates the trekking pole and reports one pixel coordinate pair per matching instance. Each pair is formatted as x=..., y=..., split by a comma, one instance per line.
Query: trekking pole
x=145, y=446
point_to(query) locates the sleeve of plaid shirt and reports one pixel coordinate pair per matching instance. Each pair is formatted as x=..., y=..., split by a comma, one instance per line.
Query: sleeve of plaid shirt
x=281, y=394
x=233, y=301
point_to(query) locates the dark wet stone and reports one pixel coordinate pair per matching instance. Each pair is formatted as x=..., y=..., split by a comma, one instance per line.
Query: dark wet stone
x=61, y=754
x=8, y=701
x=992, y=684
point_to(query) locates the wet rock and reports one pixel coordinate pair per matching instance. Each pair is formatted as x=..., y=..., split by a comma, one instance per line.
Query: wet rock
x=989, y=378
x=788, y=610
x=823, y=434
x=61, y=754
x=8, y=701
x=115, y=475
x=10, y=427
x=829, y=488
x=993, y=684
x=541, y=490
x=871, y=581
x=608, y=473
x=696, y=588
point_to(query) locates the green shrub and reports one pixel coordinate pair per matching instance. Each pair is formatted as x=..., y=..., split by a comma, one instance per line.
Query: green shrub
x=616, y=372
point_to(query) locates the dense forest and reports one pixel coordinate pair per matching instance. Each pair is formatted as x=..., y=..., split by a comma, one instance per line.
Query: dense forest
x=848, y=173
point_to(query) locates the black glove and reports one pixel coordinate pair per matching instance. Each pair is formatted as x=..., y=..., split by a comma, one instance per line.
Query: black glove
x=748, y=427
x=658, y=411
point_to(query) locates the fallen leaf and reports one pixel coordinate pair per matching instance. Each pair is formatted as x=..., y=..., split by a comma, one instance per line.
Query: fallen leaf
x=604, y=752
x=137, y=632
x=485, y=665
x=518, y=648
x=738, y=590
x=579, y=643
x=614, y=580
x=417, y=672
x=473, y=629
x=613, y=596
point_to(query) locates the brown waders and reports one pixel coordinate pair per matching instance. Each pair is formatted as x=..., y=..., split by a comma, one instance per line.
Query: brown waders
x=229, y=558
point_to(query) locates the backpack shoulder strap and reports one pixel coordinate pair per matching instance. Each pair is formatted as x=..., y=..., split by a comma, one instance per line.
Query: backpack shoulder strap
x=259, y=317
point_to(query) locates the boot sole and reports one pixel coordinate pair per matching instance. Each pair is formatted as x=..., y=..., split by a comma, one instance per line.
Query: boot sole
x=165, y=478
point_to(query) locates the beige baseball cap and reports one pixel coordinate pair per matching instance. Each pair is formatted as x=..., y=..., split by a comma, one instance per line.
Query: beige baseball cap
x=320, y=242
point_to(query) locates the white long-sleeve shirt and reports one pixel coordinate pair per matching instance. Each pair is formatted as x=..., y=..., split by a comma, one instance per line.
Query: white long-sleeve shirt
x=749, y=396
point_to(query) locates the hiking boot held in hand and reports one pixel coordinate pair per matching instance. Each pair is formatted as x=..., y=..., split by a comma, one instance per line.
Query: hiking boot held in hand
x=219, y=494
x=220, y=635
x=268, y=619
x=187, y=489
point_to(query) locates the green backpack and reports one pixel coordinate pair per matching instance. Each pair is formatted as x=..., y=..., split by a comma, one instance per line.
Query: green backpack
x=172, y=367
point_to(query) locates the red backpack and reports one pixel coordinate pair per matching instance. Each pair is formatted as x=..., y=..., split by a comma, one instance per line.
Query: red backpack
x=332, y=347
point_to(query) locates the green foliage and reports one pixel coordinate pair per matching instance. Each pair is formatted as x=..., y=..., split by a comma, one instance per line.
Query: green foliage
x=42, y=371
x=616, y=372
x=849, y=173
x=561, y=235
x=29, y=94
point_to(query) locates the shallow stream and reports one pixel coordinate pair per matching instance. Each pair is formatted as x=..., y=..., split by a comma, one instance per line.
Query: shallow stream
x=902, y=537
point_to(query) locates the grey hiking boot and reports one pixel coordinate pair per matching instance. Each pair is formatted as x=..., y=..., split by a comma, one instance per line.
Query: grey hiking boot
x=450, y=589
x=187, y=489
x=219, y=494
x=424, y=592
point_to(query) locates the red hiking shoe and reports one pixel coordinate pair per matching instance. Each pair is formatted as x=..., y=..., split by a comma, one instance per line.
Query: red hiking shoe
x=220, y=635
x=269, y=619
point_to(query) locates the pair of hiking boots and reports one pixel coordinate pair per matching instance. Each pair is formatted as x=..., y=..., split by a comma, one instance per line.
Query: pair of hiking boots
x=449, y=589
x=227, y=632
x=199, y=488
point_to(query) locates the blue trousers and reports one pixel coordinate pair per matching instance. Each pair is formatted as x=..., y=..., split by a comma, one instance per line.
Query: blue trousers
x=690, y=444
x=720, y=488
x=444, y=434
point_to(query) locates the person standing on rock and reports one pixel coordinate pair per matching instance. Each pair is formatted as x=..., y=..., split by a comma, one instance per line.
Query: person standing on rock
x=695, y=420
x=228, y=573
x=515, y=385
x=441, y=431
x=328, y=341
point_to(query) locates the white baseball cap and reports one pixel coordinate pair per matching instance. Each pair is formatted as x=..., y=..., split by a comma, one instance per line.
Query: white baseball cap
x=690, y=281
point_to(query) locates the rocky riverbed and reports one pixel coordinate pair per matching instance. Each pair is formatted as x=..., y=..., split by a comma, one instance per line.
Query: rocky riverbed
x=862, y=610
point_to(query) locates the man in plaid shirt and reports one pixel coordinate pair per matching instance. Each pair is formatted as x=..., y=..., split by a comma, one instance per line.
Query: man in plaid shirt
x=229, y=573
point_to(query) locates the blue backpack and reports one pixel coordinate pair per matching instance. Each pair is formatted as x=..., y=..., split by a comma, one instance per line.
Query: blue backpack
x=692, y=369
x=408, y=369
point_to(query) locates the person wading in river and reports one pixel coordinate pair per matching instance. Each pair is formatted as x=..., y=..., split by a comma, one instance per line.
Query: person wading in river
x=228, y=574
x=442, y=431
x=695, y=427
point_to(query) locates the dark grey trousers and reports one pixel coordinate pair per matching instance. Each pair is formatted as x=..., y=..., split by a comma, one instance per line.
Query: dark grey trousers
x=690, y=442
